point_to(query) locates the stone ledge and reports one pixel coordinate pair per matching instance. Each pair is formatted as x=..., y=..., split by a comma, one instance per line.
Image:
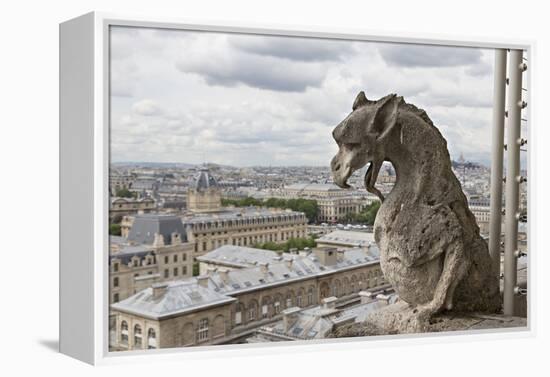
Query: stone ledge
x=440, y=323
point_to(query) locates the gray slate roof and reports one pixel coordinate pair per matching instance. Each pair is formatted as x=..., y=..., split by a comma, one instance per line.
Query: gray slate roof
x=347, y=237
x=238, y=256
x=179, y=297
x=203, y=180
x=242, y=280
x=317, y=322
x=145, y=226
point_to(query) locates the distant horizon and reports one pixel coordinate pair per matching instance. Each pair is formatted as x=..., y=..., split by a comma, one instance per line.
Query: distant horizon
x=252, y=166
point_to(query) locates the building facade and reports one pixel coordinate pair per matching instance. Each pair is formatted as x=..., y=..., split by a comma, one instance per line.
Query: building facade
x=156, y=250
x=121, y=207
x=240, y=227
x=228, y=304
x=334, y=202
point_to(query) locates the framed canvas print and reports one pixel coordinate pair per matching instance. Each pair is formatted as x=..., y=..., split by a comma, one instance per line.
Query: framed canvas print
x=234, y=188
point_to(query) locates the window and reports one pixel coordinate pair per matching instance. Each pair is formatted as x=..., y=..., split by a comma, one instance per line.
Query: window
x=288, y=301
x=184, y=270
x=203, y=329
x=136, y=262
x=264, y=311
x=115, y=267
x=115, y=297
x=310, y=296
x=151, y=339
x=166, y=260
x=299, y=300
x=137, y=336
x=277, y=306
x=238, y=318
x=184, y=257
x=124, y=332
x=166, y=273
x=252, y=313
x=115, y=282
x=175, y=258
x=176, y=271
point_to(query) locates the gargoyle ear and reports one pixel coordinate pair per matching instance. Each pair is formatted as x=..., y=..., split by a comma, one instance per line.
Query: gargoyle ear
x=386, y=114
x=360, y=100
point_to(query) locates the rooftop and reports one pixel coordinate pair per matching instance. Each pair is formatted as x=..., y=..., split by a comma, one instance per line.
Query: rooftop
x=145, y=226
x=319, y=321
x=314, y=187
x=177, y=297
x=224, y=283
x=203, y=180
x=237, y=213
x=239, y=256
x=348, y=238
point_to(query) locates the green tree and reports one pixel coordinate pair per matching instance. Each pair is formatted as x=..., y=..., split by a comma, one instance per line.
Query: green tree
x=114, y=230
x=292, y=243
x=366, y=216
x=124, y=193
x=308, y=206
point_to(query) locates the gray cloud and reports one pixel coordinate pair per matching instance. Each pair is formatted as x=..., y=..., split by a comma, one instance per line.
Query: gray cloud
x=193, y=96
x=147, y=107
x=413, y=56
x=254, y=71
x=292, y=48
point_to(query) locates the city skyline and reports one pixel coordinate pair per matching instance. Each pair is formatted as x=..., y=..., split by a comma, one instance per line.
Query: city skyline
x=252, y=100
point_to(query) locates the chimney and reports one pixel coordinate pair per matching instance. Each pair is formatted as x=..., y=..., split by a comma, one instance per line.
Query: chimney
x=158, y=240
x=290, y=316
x=384, y=299
x=326, y=255
x=277, y=258
x=366, y=296
x=203, y=281
x=176, y=239
x=224, y=274
x=304, y=253
x=159, y=289
x=264, y=267
x=288, y=262
x=210, y=271
x=329, y=302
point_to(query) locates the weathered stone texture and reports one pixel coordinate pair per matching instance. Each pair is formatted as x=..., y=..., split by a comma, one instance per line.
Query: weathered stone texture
x=431, y=249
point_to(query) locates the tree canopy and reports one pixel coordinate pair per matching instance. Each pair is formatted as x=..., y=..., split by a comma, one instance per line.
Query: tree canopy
x=124, y=193
x=307, y=206
x=292, y=243
x=366, y=216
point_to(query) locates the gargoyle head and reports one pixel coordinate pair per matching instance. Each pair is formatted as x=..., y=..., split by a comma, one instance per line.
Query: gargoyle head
x=362, y=138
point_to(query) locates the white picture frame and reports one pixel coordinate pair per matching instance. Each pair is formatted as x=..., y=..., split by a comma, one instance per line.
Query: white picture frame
x=84, y=167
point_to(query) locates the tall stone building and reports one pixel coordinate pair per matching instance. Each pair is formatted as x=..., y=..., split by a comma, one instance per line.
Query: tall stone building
x=156, y=249
x=204, y=195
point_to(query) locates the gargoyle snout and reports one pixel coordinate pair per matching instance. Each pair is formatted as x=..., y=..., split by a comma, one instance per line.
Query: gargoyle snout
x=340, y=170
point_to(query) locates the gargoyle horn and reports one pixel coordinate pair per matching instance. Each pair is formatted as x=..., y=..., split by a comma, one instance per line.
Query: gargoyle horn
x=386, y=115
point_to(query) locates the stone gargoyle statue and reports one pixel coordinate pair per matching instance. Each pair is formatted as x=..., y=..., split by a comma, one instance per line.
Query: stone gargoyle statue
x=430, y=247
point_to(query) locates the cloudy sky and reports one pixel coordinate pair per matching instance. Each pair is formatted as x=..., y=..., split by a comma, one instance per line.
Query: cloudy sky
x=243, y=100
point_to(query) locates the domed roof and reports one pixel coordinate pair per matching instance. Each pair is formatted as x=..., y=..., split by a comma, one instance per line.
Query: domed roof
x=204, y=181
